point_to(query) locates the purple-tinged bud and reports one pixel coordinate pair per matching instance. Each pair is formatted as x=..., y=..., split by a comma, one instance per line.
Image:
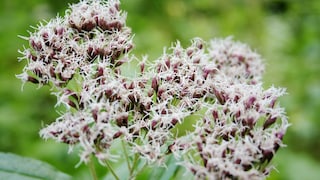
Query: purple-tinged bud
x=131, y=86
x=59, y=31
x=146, y=106
x=219, y=96
x=141, y=84
x=269, y=122
x=125, y=85
x=105, y=25
x=280, y=135
x=160, y=92
x=150, y=92
x=52, y=72
x=176, y=67
x=237, y=161
x=115, y=25
x=198, y=94
x=276, y=146
x=71, y=93
x=99, y=137
x=86, y=129
x=45, y=36
x=117, y=134
x=117, y=6
x=193, y=170
x=184, y=92
x=37, y=72
x=91, y=52
x=171, y=148
x=32, y=80
x=245, y=131
x=273, y=102
x=115, y=55
x=236, y=98
x=164, y=111
x=112, y=11
x=119, y=62
x=54, y=133
x=169, y=78
x=267, y=155
x=154, y=84
x=237, y=114
x=122, y=120
x=160, y=68
x=88, y=26
x=142, y=67
x=207, y=72
x=177, y=79
x=72, y=24
x=167, y=62
x=250, y=102
x=208, y=131
x=127, y=48
x=192, y=77
x=100, y=71
x=117, y=72
x=190, y=52
x=199, y=146
x=246, y=167
x=52, y=55
x=72, y=104
x=154, y=124
x=250, y=122
x=134, y=98
x=94, y=113
x=32, y=57
x=174, y=121
x=196, y=60
x=240, y=58
x=200, y=150
x=36, y=45
x=199, y=44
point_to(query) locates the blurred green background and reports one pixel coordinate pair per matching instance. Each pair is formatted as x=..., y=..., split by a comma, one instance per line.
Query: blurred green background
x=285, y=33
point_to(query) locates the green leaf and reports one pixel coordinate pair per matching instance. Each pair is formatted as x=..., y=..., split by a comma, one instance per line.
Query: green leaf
x=16, y=167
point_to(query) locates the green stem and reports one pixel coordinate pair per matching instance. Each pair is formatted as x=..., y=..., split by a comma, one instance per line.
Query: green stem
x=126, y=156
x=93, y=170
x=112, y=171
x=140, y=170
x=135, y=160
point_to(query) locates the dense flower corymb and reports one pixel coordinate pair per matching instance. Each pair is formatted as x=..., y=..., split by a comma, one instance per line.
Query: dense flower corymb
x=238, y=125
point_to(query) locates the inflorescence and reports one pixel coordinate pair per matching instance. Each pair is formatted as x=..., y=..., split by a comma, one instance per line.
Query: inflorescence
x=239, y=125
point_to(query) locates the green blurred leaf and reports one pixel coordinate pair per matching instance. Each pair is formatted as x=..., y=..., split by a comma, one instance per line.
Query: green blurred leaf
x=171, y=169
x=16, y=167
x=295, y=166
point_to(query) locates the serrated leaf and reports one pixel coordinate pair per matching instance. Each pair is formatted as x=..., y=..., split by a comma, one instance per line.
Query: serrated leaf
x=14, y=167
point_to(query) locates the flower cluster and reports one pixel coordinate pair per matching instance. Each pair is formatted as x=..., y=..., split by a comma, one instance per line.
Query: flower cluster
x=63, y=47
x=239, y=125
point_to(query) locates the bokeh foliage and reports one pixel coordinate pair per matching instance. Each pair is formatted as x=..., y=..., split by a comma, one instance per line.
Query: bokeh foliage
x=285, y=32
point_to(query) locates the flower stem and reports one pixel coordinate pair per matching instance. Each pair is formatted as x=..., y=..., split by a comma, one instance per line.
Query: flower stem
x=93, y=170
x=140, y=170
x=126, y=156
x=135, y=160
x=112, y=171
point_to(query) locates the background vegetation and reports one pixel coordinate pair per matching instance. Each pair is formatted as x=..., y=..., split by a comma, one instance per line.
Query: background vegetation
x=285, y=33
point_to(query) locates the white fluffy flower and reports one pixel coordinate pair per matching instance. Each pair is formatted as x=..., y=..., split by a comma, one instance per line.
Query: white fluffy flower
x=216, y=86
